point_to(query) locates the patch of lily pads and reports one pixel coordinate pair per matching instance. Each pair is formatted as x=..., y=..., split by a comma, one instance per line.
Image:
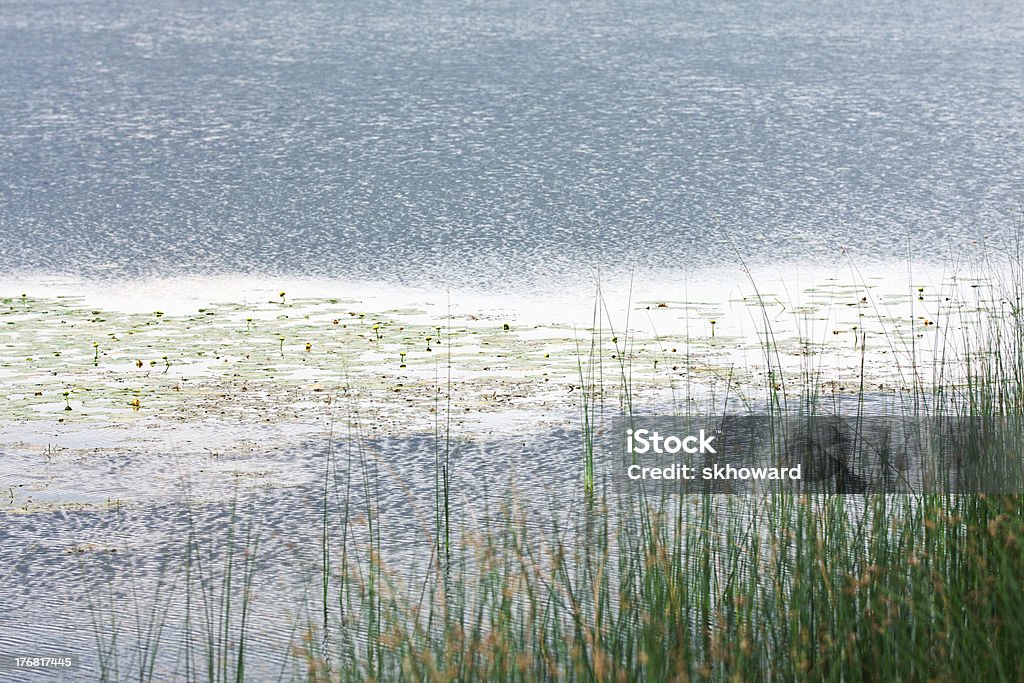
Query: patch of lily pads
x=329, y=363
x=63, y=360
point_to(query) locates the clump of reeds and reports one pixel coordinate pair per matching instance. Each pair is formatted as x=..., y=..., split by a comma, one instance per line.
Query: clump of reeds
x=621, y=587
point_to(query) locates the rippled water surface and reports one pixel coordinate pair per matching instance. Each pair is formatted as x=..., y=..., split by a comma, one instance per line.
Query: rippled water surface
x=74, y=574
x=498, y=143
x=507, y=148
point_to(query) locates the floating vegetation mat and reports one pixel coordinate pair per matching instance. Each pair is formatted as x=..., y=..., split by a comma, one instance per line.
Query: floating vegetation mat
x=234, y=378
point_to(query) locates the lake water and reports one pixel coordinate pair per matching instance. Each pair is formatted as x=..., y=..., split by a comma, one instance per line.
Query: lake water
x=501, y=145
x=230, y=150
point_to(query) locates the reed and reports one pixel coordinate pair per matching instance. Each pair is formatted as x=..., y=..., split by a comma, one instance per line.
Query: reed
x=618, y=586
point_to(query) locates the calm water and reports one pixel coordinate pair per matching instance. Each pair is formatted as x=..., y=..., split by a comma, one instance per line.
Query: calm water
x=484, y=143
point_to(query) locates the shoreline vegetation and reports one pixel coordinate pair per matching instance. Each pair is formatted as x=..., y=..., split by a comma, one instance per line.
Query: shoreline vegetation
x=607, y=586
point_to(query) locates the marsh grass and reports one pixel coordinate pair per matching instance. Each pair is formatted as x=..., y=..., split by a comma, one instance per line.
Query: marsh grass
x=613, y=586
x=782, y=587
x=203, y=596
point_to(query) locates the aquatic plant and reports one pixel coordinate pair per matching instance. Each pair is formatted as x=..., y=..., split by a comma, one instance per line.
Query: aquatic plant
x=609, y=584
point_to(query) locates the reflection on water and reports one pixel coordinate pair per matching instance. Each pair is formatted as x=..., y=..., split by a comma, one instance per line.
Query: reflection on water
x=73, y=569
x=80, y=574
x=459, y=142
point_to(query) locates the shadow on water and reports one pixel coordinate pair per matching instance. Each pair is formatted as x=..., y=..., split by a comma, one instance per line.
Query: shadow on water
x=90, y=580
x=73, y=571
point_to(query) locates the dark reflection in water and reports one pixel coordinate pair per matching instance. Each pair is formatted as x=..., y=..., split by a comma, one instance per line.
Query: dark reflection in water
x=83, y=580
x=78, y=580
x=485, y=143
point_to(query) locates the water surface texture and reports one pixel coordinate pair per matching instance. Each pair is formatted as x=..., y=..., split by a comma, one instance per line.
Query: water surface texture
x=442, y=145
x=500, y=143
